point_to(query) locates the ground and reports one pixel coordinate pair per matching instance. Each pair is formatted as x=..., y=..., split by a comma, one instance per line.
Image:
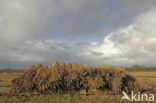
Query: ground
x=146, y=79
x=5, y=78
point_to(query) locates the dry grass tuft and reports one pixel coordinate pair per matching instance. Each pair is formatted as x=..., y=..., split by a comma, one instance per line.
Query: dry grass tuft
x=63, y=78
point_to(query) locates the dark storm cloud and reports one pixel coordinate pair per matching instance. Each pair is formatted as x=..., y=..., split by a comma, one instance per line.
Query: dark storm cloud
x=127, y=27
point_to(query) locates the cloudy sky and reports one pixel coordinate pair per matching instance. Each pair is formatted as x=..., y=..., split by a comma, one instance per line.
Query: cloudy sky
x=112, y=32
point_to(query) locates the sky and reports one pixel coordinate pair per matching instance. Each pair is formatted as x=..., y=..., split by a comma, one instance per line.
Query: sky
x=95, y=32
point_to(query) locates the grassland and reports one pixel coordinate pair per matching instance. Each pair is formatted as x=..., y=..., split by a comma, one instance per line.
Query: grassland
x=57, y=98
x=146, y=79
x=5, y=78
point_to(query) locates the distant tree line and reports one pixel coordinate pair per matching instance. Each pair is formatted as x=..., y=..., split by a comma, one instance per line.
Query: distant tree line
x=10, y=70
x=141, y=68
x=132, y=68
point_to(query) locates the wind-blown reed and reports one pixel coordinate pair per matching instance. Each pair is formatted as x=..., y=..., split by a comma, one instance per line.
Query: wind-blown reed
x=62, y=78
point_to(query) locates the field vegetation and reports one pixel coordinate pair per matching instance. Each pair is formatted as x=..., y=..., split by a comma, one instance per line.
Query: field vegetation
x=73, y=77
x=6, y=78
x=146, y=79
x=141, y=68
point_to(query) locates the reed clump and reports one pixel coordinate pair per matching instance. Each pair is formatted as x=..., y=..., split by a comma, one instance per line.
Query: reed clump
x=73, y=77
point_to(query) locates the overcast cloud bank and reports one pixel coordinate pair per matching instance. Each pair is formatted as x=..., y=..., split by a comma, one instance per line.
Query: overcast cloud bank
x=25, y=24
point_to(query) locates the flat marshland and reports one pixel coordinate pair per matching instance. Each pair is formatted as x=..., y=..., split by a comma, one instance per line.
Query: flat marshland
x=147, y=79
x=5, y=78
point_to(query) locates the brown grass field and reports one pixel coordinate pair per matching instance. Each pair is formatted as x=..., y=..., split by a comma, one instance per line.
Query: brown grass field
x=5, y=78
x=146, y=79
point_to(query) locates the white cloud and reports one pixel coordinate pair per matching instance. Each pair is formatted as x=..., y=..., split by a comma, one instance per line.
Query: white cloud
x=107, y=48
x=29, y=19
x=24, y=24
x=134, y=44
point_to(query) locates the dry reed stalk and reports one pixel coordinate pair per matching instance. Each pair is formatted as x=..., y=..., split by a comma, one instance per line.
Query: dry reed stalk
x=61, y=78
